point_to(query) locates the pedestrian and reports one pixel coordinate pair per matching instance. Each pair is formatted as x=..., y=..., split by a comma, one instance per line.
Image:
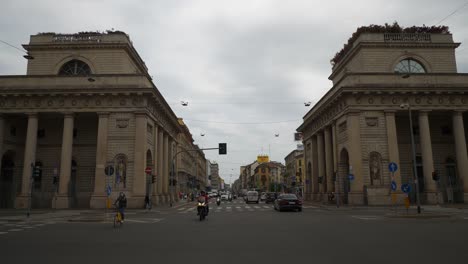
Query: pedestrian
x=147, y=203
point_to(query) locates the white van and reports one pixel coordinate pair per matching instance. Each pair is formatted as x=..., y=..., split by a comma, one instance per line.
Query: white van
x=252, y=196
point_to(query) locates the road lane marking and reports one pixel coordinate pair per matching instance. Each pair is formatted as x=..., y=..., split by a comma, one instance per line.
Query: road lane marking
x=29, y=227
x=180, y=209
x=15, y=230
x=229, y=207
x=2, y=233
x=238, y=207
x=257, y=207
x=267, y=207
x=365, y=217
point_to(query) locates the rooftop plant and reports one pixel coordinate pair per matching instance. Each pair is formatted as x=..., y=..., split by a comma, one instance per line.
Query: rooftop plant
x=387, y=28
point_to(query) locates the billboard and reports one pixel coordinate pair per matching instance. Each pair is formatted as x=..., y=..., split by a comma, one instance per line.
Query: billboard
x=262, y=158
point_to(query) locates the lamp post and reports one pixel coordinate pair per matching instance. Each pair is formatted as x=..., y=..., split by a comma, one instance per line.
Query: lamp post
x=413, y=148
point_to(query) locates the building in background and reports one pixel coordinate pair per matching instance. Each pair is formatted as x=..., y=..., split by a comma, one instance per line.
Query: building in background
x=363, y=122
x=215, y=179
x=295, y=170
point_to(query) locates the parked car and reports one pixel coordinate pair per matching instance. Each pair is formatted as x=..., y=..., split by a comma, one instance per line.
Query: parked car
x=252, y=196
x=270, y=197
x=224, y=197
x=288, y=201
x=263, y=196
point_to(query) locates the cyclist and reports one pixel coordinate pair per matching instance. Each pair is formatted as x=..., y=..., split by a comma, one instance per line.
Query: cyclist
x=122, y=203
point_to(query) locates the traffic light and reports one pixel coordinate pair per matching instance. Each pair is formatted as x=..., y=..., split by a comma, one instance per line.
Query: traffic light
x=153, y=178
x=222, y=148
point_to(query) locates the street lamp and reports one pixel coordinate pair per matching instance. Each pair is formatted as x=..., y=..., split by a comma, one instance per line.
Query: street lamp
x=415, y=172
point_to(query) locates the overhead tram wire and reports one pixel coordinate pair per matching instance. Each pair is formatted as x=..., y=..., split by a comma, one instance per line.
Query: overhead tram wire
x=12, y=46
x=453, y=13
x=243, y=123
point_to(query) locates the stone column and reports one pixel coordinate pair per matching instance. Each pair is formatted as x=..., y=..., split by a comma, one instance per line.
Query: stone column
x=393, y=154
x=335, y=157
x=166, y=167
x=427, y=158
x=315, y=173
x=22, y=201
x=156, y=165
x=306, y=170
x=356, y=195
x=98, y=199
x=460, y=149
x=139, y=175
x=160, y=167
x=329, y=160
x=321, y=164
x=63, y=197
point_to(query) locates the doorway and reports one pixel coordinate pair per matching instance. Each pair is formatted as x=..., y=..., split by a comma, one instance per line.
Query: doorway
x=343, y=183
x=7, y=181
x=450, y=183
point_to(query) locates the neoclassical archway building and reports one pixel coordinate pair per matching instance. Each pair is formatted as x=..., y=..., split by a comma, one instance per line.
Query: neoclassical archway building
x=362, y=123
x=87, y=101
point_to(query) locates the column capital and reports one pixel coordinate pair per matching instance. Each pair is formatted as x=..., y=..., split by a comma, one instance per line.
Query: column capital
x=103, y=114
x=32, y=114
x=68, y=114
x=458, y=112
x=424, y=112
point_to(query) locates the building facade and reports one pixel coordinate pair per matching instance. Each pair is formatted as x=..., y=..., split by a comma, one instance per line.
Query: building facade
x=295, y=169
x=87, y=102
x=363, y=122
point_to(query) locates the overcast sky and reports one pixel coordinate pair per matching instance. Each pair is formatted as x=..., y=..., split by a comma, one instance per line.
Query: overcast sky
x=233, y=61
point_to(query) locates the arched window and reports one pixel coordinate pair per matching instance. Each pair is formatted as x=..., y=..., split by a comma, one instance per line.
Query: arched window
x=409, y=66
x=75, y=67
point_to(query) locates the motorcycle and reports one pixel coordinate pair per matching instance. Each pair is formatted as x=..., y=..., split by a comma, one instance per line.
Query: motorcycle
x=201, y=208
x=218, y=201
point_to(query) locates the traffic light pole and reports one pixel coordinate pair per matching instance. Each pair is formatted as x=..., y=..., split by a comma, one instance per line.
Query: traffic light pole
x=171, y=181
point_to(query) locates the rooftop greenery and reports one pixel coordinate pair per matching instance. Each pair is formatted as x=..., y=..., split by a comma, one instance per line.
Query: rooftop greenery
x=387, y=28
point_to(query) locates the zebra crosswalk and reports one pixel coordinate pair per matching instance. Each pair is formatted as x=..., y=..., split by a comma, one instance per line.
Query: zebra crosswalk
x=234, y=208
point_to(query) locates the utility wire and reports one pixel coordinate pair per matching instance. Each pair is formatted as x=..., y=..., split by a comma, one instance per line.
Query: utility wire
x=451, y=14
x=243, y=123
x=13, y=46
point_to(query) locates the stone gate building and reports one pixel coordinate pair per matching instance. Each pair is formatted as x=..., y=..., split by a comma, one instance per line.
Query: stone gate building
x=87, y=101
x=362, y=123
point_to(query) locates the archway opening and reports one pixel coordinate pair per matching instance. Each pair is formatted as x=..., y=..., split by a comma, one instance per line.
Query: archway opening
x=7, y=181
x=343, y=183
x=149, y=164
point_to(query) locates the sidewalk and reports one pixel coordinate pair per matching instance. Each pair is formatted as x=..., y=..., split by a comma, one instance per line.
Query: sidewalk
x=77, y=215
x=425, y=209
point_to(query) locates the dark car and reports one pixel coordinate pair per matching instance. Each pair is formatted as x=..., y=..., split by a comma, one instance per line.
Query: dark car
x=270, y=197
x=288, y=201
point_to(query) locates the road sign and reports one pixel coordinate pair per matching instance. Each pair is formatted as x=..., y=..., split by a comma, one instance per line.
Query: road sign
x=394, y=186
x=148, y=170
x=108, y=190
x=406, y=188
x=350, y=177
x=109, y=170
x=392, y=167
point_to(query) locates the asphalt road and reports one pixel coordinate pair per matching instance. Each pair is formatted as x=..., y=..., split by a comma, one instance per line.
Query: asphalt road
x=239, y=233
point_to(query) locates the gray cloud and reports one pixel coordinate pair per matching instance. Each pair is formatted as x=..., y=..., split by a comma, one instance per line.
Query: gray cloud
x=234, y=61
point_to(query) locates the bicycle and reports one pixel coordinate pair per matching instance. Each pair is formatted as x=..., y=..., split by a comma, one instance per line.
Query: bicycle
x=117, y=218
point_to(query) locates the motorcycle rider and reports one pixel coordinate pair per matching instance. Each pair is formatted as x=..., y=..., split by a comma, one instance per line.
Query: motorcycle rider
x=204, y=198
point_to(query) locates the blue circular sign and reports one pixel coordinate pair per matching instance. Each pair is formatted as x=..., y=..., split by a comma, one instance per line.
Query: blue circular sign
x=406, y=188
x=350, y=177
x=392, y=167
x=394, y=186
